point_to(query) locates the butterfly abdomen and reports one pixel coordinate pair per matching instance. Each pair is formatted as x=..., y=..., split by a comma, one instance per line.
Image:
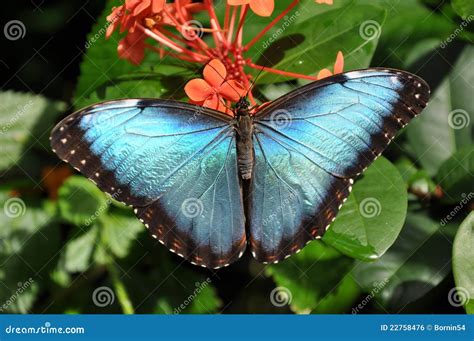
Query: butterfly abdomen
x=245, y=146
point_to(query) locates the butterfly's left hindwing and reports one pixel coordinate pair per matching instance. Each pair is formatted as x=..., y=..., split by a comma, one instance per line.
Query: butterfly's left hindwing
x=310, y=143
x=175, y=163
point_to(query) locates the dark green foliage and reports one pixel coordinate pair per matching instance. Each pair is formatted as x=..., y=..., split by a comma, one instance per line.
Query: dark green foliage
x=390, y=247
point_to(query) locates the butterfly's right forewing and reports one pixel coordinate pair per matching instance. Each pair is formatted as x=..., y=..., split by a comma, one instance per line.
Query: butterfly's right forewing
x=176, y=164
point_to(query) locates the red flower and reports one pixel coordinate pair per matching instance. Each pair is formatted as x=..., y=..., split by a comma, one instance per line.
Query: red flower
x=338, y=67
x=263, y=8
x=133, y=12
x=132, y=47
x=211, y=91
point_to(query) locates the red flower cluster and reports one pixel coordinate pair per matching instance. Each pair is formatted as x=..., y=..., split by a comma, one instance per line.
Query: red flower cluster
x=177, y=34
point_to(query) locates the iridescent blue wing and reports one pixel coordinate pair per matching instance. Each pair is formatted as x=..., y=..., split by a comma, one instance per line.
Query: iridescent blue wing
x=175, y=163
x=310, y=143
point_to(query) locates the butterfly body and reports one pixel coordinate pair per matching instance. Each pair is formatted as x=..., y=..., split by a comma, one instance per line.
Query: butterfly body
x=244, y=128
x=181, y=166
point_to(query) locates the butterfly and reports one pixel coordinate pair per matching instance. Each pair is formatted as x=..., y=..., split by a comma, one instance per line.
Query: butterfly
x=208, y=185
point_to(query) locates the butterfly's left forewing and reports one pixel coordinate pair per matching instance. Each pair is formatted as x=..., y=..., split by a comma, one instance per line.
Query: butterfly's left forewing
x=310, y=143
x=175, y=163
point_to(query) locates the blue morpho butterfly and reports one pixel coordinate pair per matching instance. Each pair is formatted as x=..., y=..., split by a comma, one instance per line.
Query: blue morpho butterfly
x=206, y=184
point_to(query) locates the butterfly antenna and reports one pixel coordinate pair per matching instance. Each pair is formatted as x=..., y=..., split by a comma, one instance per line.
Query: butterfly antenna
x=253, y=82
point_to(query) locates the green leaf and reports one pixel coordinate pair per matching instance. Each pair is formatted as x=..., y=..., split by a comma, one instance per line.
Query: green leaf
x=163, y=283
x=417, y=262
x=341, y=299
x=447, y=123
x=81, y=202
x=119, y=231
x=25, y=121
x=465, y=8
x=104, y=76
x=410, y=32
x=309, y=276
x=455, y=173
x=371, y=219
x=308, y=46
x=78, y=254
x=463, y=266
x=29, y=244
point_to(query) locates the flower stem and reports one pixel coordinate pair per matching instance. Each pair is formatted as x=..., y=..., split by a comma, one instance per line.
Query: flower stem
x=120, y=290
x=280, y=72
x=239, y=32
x=270, y=25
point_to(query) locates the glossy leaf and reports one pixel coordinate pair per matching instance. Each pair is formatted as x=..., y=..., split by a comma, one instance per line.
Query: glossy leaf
x=417, y=262
x=340, y=299
x=310, y=45
x=309, y=276
x=371, y=219
x=455, y=173
x=446, y=124
x=464, y=8
x=463, y=266
x=81, y=202
x=410, y=32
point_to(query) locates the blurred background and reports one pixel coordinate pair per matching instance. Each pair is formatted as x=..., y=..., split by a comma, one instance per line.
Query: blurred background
x=58, y=255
